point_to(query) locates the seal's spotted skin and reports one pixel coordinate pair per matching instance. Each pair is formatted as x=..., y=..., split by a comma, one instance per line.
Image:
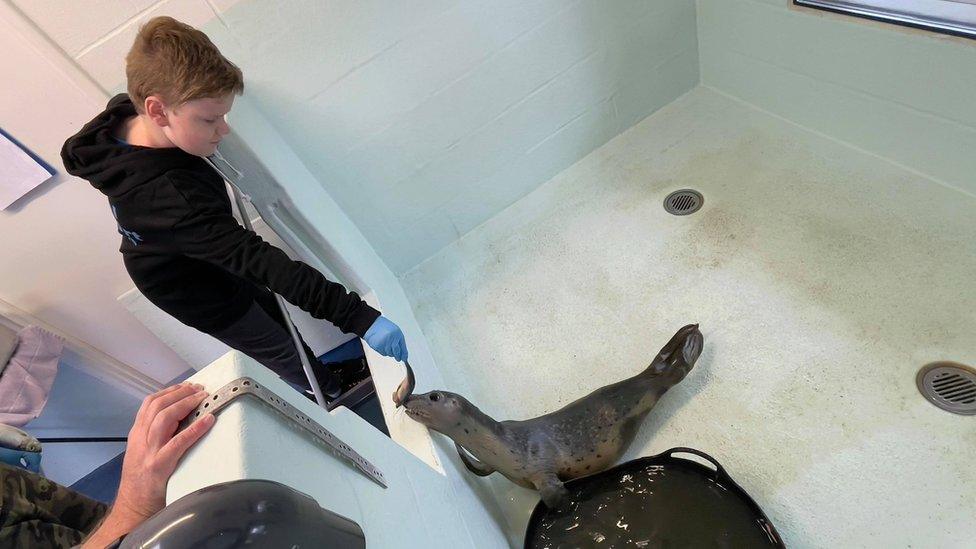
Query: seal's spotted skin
x=584, y=437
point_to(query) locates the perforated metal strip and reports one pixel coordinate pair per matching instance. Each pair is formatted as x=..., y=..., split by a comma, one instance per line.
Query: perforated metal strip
x=247, y=386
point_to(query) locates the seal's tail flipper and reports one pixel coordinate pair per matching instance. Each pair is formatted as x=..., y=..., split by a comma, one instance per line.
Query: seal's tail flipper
x=683, y=349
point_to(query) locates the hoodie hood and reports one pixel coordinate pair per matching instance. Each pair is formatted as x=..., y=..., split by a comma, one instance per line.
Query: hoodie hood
x=113, y=167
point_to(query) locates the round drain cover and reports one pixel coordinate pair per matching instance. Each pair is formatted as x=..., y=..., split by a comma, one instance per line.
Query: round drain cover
x=683, y=202
x=949, y=385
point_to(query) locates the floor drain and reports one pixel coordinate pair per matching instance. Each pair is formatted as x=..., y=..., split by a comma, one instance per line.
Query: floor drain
x=950, y=386
x=683, y=202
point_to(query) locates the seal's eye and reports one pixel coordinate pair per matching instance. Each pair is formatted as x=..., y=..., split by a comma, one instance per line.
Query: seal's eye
x=434, y=397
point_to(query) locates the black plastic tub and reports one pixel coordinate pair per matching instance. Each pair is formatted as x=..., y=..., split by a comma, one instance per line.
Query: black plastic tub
x=654, y=502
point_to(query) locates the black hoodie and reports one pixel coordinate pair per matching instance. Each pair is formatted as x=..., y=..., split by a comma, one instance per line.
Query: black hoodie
x=180, y=242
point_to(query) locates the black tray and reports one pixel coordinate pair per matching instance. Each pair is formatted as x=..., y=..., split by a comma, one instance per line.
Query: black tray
x=650, y=502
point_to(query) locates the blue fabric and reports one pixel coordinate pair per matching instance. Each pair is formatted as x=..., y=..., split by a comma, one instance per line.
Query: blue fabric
x=102, y=483
x=347, y=351
x=21, y=458
x=386, y=338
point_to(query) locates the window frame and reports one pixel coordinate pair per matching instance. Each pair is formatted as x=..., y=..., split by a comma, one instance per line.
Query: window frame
x=886, y=15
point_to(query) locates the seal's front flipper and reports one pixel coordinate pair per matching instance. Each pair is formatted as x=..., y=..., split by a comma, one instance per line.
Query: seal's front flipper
x=472, y=462
x=553, y=493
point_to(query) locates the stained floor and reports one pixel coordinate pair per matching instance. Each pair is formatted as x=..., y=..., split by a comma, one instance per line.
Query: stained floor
x=823, y=278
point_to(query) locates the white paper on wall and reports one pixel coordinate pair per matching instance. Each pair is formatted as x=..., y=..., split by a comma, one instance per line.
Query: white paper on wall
x=19, y=172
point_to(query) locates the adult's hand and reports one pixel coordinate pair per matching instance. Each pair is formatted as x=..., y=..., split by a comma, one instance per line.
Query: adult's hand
x=153, y=451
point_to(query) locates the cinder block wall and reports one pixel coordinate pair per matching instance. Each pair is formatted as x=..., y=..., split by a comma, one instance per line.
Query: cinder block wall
x=900, y=93
x=424, y=119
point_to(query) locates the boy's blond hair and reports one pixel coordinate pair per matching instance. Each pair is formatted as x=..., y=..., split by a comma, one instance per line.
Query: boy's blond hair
x=177, y=62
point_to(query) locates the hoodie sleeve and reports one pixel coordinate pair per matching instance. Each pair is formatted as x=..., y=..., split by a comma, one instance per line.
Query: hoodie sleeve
x=207, y=232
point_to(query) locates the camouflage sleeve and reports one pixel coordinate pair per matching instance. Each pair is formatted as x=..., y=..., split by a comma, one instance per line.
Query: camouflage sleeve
x=36, y=512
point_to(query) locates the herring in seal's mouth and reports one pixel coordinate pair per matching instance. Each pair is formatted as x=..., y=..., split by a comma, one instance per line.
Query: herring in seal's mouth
x=406, y=387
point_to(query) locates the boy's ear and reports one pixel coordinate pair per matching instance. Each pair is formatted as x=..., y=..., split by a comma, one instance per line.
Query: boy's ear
x=156, y=110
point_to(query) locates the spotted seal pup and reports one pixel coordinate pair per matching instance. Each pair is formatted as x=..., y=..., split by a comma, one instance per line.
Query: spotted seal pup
x=582, y=438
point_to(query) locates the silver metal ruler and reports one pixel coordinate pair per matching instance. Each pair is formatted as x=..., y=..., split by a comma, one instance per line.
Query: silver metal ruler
x=246, y=386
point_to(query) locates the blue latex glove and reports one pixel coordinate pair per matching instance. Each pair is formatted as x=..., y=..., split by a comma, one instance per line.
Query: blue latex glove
x=386, y=338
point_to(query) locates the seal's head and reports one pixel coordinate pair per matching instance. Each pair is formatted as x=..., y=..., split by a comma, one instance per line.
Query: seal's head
x=678, y=357
x=441, y=411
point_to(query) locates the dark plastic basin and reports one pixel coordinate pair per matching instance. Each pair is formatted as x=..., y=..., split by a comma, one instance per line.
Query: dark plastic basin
x=651, y=502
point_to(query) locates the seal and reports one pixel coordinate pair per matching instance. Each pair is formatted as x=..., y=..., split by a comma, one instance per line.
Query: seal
x=584, y=437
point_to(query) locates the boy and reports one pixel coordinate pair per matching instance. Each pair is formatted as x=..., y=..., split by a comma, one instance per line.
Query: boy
x=181, y=245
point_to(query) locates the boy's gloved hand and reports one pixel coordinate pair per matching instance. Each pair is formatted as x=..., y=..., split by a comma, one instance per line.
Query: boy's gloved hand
x=386, y=338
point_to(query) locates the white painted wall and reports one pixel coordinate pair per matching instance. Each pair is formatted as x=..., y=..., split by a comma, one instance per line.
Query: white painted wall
x=59, y=259
x=96, y=35
x=424, y=119
x=900, y=93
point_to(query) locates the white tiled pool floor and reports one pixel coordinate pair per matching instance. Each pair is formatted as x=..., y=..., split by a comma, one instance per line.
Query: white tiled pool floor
x=822, y=277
